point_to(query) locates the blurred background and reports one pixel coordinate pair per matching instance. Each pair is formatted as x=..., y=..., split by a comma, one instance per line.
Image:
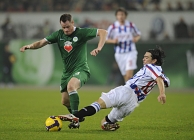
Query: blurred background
x=169, y=24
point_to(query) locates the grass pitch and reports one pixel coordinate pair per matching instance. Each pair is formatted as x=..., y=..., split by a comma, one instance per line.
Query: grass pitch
x=23, y=112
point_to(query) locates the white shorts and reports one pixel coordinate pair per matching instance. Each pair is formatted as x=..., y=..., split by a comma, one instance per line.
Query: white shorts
x=126, y=61
x=122, y=99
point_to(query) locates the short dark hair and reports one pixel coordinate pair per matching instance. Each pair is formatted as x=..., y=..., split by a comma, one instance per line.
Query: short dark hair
x=65, y=17
x=157, y=54
x=121, y=9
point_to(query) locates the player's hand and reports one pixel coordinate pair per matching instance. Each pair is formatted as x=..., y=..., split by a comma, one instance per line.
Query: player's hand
x=134, y=40
x=95, y=52
x=115, y=41
x=162, y=98
x=22, y=49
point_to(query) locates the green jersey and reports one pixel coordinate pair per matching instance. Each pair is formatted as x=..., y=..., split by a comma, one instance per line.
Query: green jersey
x=73, y=48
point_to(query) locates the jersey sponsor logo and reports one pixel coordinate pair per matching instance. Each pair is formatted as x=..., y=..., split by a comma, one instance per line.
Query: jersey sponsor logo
x=75, y=39
x=68, y=46
x=62, y=39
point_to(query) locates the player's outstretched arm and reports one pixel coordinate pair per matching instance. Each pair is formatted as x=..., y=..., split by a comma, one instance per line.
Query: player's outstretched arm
x=162, y=96
x=112, y=41
x=102, y=34
x=35, y=45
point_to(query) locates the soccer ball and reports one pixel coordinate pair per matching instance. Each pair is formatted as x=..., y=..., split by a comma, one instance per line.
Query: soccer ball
x=53, y=123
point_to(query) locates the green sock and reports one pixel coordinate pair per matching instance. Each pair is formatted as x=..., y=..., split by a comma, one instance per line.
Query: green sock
x=74, y=101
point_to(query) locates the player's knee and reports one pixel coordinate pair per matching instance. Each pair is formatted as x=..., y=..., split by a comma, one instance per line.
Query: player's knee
x=71, y=87
x=101, y=103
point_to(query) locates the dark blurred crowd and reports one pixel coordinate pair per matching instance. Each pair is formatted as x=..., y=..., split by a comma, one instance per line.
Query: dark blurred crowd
x=20, y=31
x=182, y=30
x=12, y=31
x=9, y=30
x=91, y=5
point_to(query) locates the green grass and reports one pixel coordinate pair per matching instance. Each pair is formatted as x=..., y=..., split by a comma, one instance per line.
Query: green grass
x=23, y=113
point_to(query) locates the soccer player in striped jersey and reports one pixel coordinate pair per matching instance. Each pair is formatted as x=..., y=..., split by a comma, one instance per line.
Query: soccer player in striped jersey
x=124, y=99
x=124, y=34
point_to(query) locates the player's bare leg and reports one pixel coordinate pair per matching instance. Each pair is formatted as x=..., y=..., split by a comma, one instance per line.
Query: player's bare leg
x=129, y=74
x=65, y=100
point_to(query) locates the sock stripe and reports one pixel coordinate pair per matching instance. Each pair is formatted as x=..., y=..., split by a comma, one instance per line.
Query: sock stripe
x=72, y=92
x=96, y=106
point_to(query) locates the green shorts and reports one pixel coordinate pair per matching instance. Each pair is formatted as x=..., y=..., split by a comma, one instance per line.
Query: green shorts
x=83, y=76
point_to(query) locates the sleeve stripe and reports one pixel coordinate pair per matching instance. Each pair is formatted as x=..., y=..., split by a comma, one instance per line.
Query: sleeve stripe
x=113, y=27
x=136, y=30
x=152, y=70
x=47, y=40
x=97, y=33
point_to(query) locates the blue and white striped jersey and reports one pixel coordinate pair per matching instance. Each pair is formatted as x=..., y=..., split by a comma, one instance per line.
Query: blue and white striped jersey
x=124, y=34
x=144, y=80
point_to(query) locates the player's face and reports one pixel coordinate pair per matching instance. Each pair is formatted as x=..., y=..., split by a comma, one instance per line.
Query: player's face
x=121, y=16
x=147, y=59
x=68, y=27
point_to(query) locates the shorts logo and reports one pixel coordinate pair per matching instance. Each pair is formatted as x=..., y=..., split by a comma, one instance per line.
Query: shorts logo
x=68, y=46
x=75, y=39
x=77, y=73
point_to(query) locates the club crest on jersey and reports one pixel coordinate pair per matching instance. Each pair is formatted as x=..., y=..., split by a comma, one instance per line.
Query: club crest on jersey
x=75, y=39
x=68, y=46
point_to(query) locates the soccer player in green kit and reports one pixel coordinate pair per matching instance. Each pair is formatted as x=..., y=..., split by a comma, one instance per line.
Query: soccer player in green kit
x=72, y=43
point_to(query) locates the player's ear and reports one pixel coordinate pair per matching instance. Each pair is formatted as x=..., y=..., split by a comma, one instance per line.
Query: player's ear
x=154, y=61
x=72, y=22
